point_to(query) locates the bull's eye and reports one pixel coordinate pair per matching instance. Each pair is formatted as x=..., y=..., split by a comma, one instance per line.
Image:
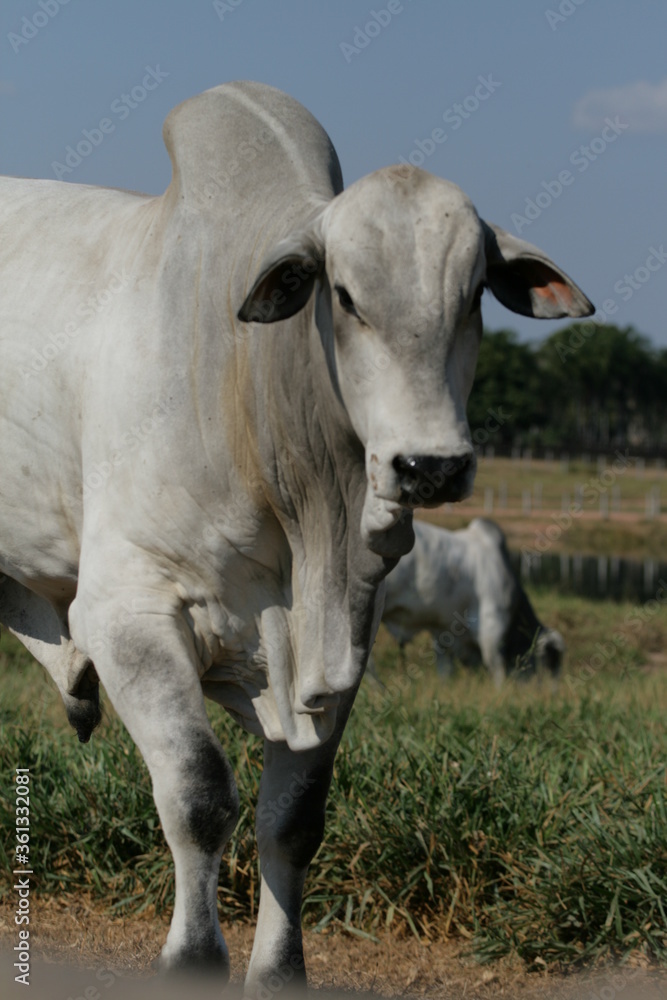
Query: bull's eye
x=346, y=302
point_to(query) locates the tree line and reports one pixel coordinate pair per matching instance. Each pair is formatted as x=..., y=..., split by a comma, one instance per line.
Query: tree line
x=582, y=389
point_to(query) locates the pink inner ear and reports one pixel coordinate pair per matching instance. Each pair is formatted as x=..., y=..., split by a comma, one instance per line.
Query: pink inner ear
x=556, y=292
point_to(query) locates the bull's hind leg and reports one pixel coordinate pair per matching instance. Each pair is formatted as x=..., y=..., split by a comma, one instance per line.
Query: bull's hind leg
x=148, y=669
x=290, y=825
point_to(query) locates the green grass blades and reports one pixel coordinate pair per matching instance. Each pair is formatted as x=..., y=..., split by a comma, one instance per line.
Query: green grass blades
x=530, y=824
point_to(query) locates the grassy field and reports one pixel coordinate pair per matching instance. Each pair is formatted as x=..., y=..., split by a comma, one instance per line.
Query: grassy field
x=526, y=823
x=613, y=516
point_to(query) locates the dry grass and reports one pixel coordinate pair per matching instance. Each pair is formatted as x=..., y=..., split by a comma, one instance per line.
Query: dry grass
x=75, y=933
x=625, y=533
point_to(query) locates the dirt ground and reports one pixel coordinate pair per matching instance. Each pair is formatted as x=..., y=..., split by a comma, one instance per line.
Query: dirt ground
x=81, y=953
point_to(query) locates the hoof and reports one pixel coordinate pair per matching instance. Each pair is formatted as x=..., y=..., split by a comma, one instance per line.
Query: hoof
x=209, y=964
x=288, y=977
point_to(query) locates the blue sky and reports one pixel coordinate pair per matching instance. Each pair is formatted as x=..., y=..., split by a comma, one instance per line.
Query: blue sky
x=553, y=74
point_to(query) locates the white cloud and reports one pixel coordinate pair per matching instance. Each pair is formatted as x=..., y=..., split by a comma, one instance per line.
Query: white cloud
x=642, y=105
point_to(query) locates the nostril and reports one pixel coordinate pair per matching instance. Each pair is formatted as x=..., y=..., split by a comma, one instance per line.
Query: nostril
x=407, y=468
x=454, y=466
x=416, y=467
x=428, y=480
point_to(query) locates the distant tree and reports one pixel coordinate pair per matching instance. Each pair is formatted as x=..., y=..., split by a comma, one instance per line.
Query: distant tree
x=605, y=385
x=655, y=403
x=507, y=377
x=584, y=387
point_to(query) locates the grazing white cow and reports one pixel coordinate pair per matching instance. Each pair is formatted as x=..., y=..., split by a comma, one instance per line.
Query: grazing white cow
x=195, y=503
x=461, y=587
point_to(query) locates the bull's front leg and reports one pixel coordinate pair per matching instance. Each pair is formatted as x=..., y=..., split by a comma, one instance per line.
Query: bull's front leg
x=290, y=825
x=148, y=667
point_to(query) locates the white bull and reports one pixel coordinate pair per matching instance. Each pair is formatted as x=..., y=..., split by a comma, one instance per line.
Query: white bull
x=194, y=503
x=461, y=587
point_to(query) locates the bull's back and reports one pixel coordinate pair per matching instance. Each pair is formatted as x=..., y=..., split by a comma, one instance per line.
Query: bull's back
x=100, y=292
x=245, y=150
x=250, y=167
x=432, y=582
x=65, y=259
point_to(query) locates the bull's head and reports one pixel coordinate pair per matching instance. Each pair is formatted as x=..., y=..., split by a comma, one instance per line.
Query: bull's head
x=403, y=260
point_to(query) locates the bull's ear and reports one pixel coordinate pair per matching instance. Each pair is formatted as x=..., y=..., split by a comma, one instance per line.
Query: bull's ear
x=527, y=282
x=286, y=280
